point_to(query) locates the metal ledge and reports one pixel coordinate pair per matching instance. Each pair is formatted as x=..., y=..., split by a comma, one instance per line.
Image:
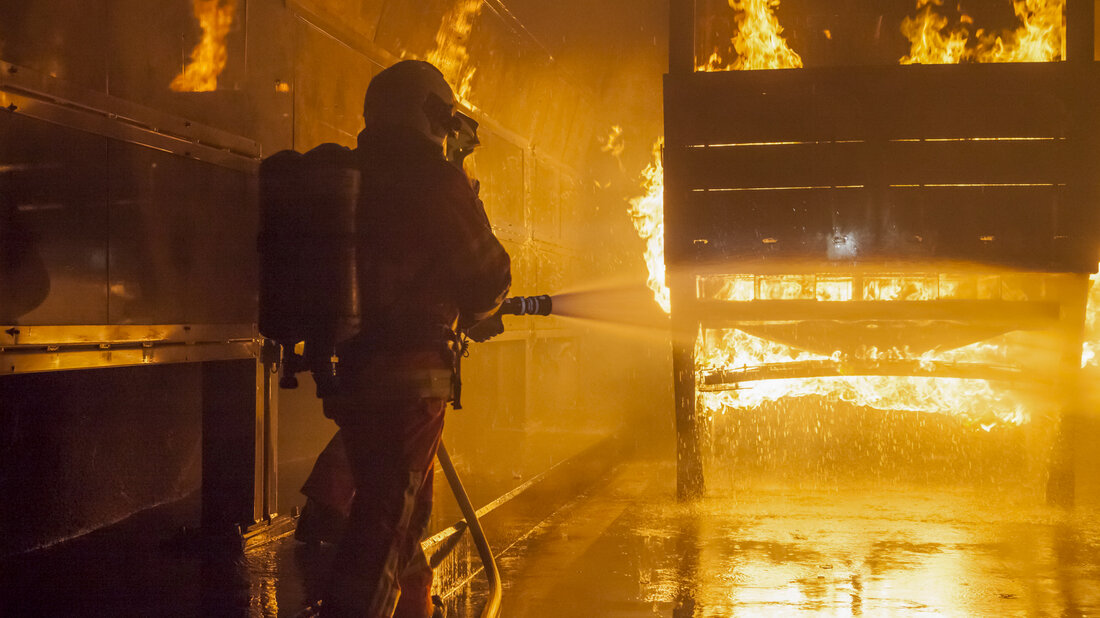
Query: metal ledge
x=24, y=91
x=33, y=349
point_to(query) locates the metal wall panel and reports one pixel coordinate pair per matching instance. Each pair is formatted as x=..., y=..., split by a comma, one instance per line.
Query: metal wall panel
x=182, y=240
x=148, y=48
x=359, y=17
x=546, y=202
x=408, y=27
x=330, y=80
x=269, y=107
x=74, y=459
x=62, y=38
x=54, y=210
x=499, y=166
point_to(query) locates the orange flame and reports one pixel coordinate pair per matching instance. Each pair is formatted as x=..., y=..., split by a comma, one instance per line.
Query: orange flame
x=984, y=403
x=973, y=399
x=209, y=56
x=1039, y=38
x=648, y=215
x=930, y=40
x=1090, y=350
x=451, y=54
x=759, y=42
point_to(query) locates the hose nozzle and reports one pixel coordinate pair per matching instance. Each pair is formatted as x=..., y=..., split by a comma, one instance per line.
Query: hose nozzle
x=527, y=305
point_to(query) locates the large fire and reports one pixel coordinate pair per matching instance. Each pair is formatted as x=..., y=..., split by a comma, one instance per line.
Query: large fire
x=209, y=56
x=648, y=215
x=975, y=400
x=759, y=43
x=980, y=401
x=723, y=352
x=451, y=54
x=1039, y=38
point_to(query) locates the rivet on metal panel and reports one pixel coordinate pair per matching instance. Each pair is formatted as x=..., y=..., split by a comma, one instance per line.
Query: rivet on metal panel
x=12, y=107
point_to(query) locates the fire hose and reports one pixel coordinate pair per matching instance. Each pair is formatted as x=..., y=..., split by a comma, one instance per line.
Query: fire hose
x=488, y=563
x=517, y=305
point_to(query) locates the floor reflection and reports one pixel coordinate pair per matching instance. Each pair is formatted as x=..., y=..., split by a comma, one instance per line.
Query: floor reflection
x=774, y=552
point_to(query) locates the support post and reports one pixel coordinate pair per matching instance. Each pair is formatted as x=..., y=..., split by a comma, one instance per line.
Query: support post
x=1062, y=483
x=681, y=36
x=267, y=424
x=229, y=439
x=689, y=457
x=1081, y=31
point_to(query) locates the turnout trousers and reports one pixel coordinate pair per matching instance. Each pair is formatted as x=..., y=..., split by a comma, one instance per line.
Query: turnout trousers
x=379, y=569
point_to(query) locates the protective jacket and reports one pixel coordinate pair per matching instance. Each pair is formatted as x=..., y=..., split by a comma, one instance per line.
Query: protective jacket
x=428, y=257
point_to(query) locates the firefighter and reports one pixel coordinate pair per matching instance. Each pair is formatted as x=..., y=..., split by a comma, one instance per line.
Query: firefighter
x=429, y=267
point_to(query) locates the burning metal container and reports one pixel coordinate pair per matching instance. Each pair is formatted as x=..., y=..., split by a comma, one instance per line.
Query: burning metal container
x=873, y=221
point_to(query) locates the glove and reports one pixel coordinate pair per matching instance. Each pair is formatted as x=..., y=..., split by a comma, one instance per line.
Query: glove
x=486, y=329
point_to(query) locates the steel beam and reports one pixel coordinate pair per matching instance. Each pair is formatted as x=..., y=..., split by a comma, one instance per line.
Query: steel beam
x=681, y=35
x=689, y=459
x=731, y=379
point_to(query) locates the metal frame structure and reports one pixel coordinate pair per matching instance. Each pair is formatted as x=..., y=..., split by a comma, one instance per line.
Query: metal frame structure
x=845, y=169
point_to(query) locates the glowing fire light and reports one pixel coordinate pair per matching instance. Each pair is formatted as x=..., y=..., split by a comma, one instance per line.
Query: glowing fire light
x=1090, y=350
x=759, y=45
x=648, y=215
x=451, y=54
x=209, y=56
x=1039, y=38
x=972, y=399
x=758, y=42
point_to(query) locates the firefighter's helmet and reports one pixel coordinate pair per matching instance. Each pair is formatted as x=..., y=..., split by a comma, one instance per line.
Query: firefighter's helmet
x=413, y=94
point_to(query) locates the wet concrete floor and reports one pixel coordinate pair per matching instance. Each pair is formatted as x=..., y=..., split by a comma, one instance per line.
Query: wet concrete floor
x=630, y=550
x=627, y=548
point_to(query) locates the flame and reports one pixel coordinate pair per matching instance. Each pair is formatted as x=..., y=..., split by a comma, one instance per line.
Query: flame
x=1090, y=349
x=648, y=215
x=451, y=54
x=1039, y=38
x=980, y=402
x=614, y=144
x=759, y=42
x=930, y=40
x=975, y=400
x=209, y=56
